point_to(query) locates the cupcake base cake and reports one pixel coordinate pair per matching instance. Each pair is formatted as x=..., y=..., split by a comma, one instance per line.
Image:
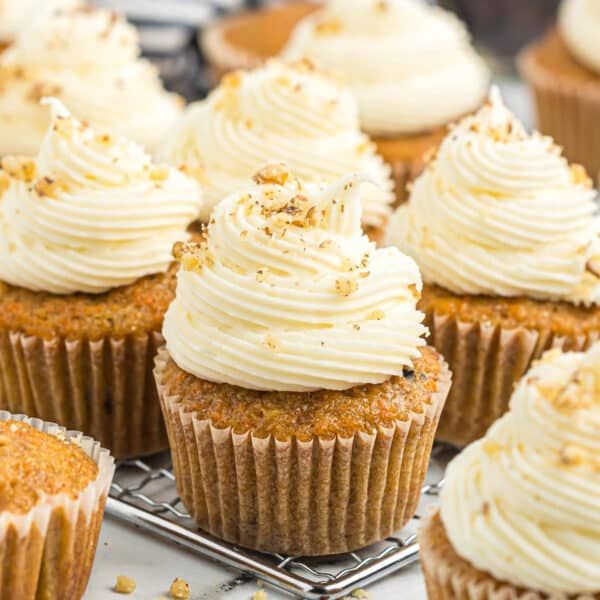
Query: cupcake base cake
x=490, y=343
x=312, y=474
x=53, y=487
x=567, y=98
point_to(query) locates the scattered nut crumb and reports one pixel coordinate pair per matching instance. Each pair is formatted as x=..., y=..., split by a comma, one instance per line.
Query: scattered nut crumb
x=124, y=585
x=260, y=595
x=345, y=287
x=159, y=173
x=277, y=174
x=180, y=589
x=19, y=167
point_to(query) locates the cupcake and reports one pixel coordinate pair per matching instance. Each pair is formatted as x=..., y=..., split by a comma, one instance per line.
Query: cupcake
x=410, y=66
x=86, y=231
x=89, y=59
x=15, y=15
x=53, y=486
x=300, y=399
x=505, y=233
x=520, y=515
x=290, y=112
x=563, y=70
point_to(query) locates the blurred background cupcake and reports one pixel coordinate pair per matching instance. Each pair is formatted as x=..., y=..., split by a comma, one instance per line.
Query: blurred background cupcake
x=519, y=515
x=563, y=70
x=86, y=232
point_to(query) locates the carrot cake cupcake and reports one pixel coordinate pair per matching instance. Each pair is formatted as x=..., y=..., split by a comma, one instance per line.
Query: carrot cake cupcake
x=86, y=230
x=53, y=486
x=300, y=399
x=291, y=112
x=89, y=58
x=505, y=233
x=563, y=70
x=520, y=509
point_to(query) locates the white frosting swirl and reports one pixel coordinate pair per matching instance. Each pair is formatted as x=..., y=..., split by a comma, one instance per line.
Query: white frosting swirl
x=500, y=212
x=579, y=22
x=287, y=112
x=288, y=294
x=410, y=65
x=89, y=58
x=523, y=503
x=91, y=213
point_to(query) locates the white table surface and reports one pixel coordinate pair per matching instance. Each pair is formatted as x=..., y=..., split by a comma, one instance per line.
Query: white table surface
x=123, y=550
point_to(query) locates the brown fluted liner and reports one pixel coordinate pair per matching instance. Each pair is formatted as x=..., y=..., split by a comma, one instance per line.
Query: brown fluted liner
x=104, y=388
x=403, y=173
x=319, y=497
x=567, y=111
x=486, y=361
x=47, y=554
x=449, y=577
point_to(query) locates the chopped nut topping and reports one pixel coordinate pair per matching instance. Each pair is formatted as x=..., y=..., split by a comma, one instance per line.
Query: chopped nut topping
x=571, y=456
x=19, y=167
x=260, y=595
x=271, y=343
x=124, y=585
x=198, y=172
x=48, y=187
x=180, y=589
x=491, y=448
x=346, y=287
x=262, y=275
x=579, y=176
x=376, y=315
x=64, y=126
x=276, y=174
x=104, y=139
x=159, y=173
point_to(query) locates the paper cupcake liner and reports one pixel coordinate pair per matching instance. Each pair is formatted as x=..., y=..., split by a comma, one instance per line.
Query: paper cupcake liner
x=104, y=388
x=568, y=113
x=403, y=173
x=486, y=361
x=449, y=577
x=48, y=552
x=319, y=497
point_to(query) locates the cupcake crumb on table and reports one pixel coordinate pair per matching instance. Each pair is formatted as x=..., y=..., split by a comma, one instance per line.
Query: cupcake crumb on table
x=179, y=589
x=124, y=585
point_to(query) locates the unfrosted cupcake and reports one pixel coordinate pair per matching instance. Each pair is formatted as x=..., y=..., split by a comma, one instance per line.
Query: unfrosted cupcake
x=410, y=66
x=16, y=15
x=300, y=400
x=505, y=233
x=86, y=230
x=564, y=71
x=520, y=509
x=89, y=58
x=288, y=112
x=53, y=486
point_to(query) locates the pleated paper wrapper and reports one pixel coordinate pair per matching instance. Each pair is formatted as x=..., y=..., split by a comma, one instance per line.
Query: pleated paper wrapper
x=320, y=497
x=104, y=388
x=48, y=552
x=486, y=361
x=449, y=577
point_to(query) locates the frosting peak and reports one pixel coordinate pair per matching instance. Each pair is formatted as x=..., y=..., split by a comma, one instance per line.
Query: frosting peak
x=90, y=213
x=90, y=59
x=281, y=111
x=286, y=293
x=522, y=503
x=579, y=22
x=405, y=50
x=500, y=212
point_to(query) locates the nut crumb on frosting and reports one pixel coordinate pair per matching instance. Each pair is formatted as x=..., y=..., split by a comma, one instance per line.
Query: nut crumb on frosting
x=19, y=167
x=180, y=589
x=277, y=174
x=124, y=585
x=345, y=287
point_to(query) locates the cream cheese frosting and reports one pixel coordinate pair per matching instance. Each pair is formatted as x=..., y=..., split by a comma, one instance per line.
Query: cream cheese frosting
x=579, y=23
x=286, y=293
x=500, y=212
x=288, y=112
x=15, y=15
x=89, y=58
x=90, y=213
x=410, y=65
x=523, y=503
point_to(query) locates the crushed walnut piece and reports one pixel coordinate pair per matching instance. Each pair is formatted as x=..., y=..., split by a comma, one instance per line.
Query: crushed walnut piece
x=48, y=187
x=19, y=167
x=277, y=174
x=124, y=585
x=571, y=456
x=579, y=176
x=180, y=589
x=271, y=343
x=346, y=287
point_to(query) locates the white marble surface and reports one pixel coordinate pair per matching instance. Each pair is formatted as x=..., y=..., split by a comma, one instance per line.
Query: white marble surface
x=125, y=550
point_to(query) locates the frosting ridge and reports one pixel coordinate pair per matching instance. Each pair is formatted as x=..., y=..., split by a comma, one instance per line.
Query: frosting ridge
x=286, y=293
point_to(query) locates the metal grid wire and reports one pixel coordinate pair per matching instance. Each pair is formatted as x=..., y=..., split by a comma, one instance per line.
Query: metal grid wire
x=144, y=493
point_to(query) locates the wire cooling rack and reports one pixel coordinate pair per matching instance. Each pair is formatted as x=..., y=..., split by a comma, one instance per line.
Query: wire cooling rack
x=144, y=494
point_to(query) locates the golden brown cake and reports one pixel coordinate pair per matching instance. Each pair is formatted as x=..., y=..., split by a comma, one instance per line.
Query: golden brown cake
x=86, y=275
x=298, y=378
x=519, y=514
x=504, y=231
x=563, y=70
x=53, y=487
